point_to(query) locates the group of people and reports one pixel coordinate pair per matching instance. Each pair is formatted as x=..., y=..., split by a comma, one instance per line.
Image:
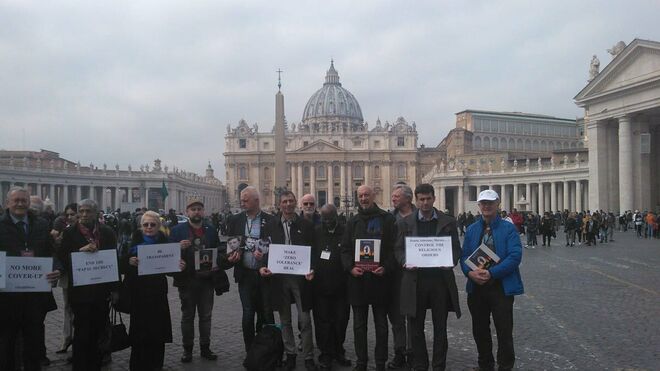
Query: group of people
x=335, y=286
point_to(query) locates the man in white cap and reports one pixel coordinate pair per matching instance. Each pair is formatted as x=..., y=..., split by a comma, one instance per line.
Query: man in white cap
x=491, y=290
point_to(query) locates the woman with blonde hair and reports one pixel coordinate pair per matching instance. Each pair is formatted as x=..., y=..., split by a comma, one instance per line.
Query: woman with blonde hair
x=151, y=326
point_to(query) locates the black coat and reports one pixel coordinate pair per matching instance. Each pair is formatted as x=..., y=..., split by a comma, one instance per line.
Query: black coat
x=182, y=232
x=236, y=227
x=302, y=233
x=72, y=241
x=407, y=227
x=39, y=241
x=150, y=311
x=329, y=275
x=370, y=288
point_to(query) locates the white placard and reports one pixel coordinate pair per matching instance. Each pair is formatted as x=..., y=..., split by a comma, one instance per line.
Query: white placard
x=3, y=269
x=90, y=268
x=27, y=274
x=429, y=252
x=289, y=259
x=159, y=258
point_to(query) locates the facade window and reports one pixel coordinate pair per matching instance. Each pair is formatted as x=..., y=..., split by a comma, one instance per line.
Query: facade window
x=358, y=172
x=357, y=143
x=377, y=172
x=336, y=143
x=400, y=141
x=266, y=145
x=336, y=172
x=321, y=172
x=305, y=143
x=242, y=173
x=486, y=143
x=477, y=142
x=306, y=172
x=401, y=171
x=242, y=143
x=377, y=144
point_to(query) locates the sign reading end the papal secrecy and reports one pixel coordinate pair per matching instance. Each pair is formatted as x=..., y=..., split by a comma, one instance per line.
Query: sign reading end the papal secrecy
x=429, y=252
x=27, y=274
x=159, y=258
x=90, y=268
x=289, y=259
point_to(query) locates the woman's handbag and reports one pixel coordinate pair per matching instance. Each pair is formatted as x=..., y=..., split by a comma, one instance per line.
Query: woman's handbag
x=121, y=301
x=116, y=337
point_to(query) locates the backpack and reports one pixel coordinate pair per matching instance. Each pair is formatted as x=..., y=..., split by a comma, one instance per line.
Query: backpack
x=266, y=350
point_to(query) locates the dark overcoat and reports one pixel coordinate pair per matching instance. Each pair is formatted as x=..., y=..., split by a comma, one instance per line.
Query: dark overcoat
x=407, y=227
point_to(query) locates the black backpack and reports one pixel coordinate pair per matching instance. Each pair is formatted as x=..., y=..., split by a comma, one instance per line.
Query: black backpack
x=266, y=350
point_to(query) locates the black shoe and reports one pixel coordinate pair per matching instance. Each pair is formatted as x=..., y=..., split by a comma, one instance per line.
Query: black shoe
x=290, y=362
x=342, y=361
x=186, y=357
x=45, y=361
x=398, y=361
x=208, y=354
x=65, y=347
x=310, y=365
x=360, y=368
x=325, y=362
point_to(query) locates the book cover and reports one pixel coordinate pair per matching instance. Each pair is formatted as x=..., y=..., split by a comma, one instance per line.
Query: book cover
x=483, y=258
x=367, y=254
x=206, y=259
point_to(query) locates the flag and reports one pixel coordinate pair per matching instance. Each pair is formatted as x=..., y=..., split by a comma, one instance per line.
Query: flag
x=163, y=191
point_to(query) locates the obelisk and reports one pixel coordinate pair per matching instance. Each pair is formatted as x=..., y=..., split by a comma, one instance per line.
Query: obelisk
x=280, y=140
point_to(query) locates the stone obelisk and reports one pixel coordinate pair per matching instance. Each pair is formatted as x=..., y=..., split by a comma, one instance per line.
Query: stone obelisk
x=280, y=141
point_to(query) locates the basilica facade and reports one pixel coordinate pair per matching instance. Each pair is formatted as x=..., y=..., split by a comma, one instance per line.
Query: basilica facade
x=329, y=153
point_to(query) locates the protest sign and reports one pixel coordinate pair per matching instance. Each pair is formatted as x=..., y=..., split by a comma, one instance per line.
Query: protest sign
x=159, y=258
x=429, y=252
x=93, y=268
x=289, y=259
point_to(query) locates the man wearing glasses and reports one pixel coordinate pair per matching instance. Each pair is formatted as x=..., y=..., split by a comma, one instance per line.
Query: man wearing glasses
x=195, y=288
x=308, y=206
x=491, y=290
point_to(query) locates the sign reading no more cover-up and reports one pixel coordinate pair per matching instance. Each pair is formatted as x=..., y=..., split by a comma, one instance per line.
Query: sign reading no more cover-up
x=90, y=268
x=289, y=259
x=27, y=274
x=429, y=252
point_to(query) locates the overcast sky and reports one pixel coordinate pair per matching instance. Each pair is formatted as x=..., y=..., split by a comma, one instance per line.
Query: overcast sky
x=129, y=81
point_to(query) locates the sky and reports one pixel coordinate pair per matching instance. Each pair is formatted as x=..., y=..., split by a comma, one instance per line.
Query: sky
x=126, y=82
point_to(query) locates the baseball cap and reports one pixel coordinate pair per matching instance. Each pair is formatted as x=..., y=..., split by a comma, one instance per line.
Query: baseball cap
x=488, y=195
x=194, y=200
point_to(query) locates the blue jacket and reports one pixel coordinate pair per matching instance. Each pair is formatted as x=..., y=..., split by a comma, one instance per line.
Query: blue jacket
x=507, y=247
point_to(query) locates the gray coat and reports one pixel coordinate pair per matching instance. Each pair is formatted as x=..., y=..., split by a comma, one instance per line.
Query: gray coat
x=407, y=227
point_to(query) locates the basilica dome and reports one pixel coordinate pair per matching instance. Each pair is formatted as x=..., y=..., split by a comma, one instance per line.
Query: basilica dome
x=332, y=102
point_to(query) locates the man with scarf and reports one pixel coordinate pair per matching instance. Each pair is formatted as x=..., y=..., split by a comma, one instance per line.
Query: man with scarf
x=369, y=288
x=89, y=303
x=23, y=234
x=290, y=229
x=195, y=288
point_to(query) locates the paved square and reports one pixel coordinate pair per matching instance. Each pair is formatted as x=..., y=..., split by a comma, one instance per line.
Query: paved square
x=585, y=308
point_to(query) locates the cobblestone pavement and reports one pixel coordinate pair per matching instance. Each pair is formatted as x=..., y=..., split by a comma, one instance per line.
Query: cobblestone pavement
x=585, y=308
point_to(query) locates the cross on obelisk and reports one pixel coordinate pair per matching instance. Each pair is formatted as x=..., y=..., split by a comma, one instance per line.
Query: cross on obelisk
x=279, y=78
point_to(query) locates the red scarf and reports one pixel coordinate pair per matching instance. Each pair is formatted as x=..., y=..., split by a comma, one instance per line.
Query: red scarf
x=91, y=236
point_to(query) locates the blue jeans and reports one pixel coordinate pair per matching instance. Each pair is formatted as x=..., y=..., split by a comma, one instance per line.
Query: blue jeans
x=255, y=301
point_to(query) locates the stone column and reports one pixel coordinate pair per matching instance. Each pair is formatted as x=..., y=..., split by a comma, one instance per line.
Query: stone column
x=514, y=204
x=349, y=180
x=461, y=200
x=578, y=196
x=342, y=183
x=117, y=197
x=300, y=180
x=598, y=177
x=626, y=189
x=436, y=189
x=504, y=199
x=443, y=198
x=292, y=178
x=366, y=173
x=312, y=180
x=387, y=183
x=78, y=192
x=331, y=184
x=541, y=202
x=553, y=196
x=65, y=195
x=565, y=193
x=528, y=196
